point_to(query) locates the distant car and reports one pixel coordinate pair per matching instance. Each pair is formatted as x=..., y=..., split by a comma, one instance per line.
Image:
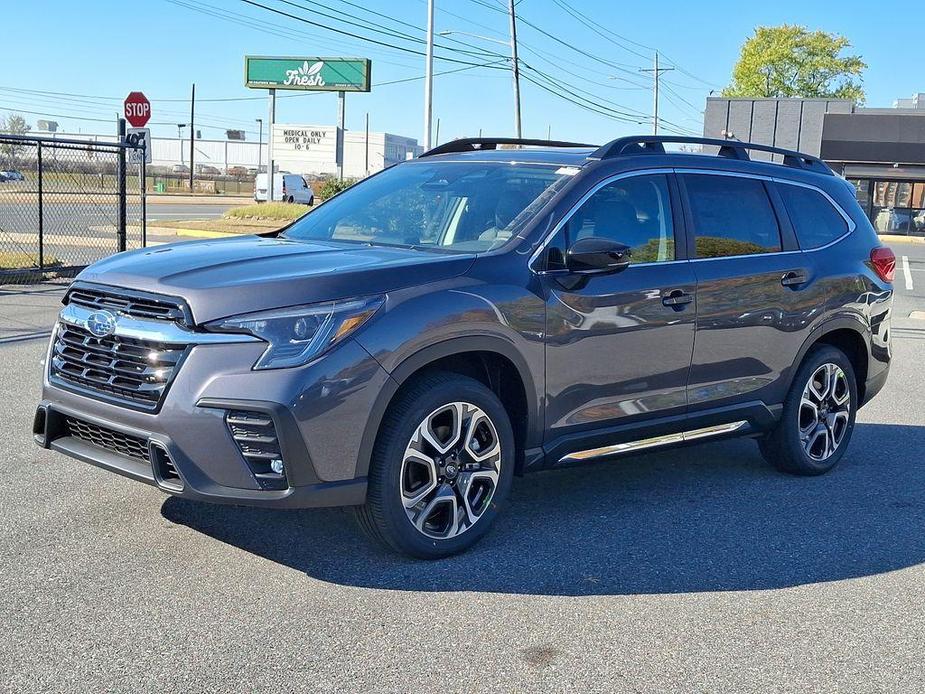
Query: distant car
x=236, y=171
x=209, y=170
x=3, y=177
x=286, y=188
x=12, y=175
x=179, y=168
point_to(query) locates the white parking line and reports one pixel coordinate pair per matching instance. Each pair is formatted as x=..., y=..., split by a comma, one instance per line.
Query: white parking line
x=907, y=273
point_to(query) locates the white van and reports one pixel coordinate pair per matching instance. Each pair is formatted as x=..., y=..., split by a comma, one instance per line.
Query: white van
x=287, y=187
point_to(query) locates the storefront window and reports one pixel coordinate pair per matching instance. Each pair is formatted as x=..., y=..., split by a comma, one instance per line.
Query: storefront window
x=862, y=191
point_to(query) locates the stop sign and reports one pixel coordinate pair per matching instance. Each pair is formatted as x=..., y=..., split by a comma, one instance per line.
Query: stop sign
x=137, y=109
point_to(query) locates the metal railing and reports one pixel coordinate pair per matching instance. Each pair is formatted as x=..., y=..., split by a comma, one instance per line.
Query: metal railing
x=65, y=204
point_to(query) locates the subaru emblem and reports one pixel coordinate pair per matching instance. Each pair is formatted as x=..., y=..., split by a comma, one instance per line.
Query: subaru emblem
x=101, y=323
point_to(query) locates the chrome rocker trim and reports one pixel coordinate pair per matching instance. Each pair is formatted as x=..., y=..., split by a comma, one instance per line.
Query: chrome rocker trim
x=653, y=442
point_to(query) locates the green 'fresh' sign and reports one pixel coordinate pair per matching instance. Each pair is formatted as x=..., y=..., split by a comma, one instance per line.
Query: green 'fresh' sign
x=310, y=74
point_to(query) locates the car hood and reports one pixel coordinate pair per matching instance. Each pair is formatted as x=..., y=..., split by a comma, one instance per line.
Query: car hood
x=224, y=277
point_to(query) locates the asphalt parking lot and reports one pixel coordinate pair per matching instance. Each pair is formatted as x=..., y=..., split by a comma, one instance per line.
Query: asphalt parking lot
x=694, y=570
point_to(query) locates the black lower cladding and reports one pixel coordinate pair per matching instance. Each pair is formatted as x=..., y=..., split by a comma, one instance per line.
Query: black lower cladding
x=111, y=440
x=257, y=441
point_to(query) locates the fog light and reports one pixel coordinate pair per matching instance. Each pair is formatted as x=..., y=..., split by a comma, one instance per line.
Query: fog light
x=277, y=466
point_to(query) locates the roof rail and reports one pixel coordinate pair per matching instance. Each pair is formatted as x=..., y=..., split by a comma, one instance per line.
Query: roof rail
x=733, y=149
x=474, y=144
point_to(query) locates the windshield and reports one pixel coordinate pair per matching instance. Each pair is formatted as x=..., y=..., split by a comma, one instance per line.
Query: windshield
x=454, y=206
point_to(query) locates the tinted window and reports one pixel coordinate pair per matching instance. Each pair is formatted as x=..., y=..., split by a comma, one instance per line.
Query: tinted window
x=456, y=206
x=732, y=216
x=635, y=211
x=812, y=215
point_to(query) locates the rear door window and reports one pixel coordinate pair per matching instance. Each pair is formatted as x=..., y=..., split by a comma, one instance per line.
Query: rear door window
x=732, y=215
x=814, y=219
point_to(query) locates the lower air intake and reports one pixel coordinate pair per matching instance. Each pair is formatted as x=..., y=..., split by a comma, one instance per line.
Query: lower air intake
x=255, y=435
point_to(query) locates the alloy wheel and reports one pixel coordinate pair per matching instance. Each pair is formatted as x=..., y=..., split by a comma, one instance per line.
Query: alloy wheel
x=825, y=410
x=450, y=470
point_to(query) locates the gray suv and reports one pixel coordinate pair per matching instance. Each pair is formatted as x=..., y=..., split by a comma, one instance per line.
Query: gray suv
x=491, y=308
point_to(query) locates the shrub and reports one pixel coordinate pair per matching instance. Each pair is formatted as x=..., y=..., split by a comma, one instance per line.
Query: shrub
x=332, y=187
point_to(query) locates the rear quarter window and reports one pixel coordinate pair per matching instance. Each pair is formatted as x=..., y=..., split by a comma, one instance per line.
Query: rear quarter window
x=815, y=220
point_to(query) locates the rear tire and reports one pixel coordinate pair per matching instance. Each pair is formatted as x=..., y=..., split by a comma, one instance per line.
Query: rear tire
x=818, y=417
x=290, y=199
x=441, y=467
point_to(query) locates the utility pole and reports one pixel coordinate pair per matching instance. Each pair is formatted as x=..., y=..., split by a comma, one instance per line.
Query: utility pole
x=437, y=136
x=429, y=75
x=515, y=68
x=260, y=145
x=192, y=134
x=271, y=119
x=366, y=169
x=656, y=72
x=339, y=153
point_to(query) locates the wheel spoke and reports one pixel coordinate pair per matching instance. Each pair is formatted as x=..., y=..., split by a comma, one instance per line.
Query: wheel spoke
x=819, y=390
x=411, y=498
x=455, y=413
x=479, y=451
x=445, y=496
x=807, y=404
x=470, y=483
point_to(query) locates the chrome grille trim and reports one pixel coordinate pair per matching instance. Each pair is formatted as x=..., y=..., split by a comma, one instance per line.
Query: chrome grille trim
x=153, y=331
x=137, y=372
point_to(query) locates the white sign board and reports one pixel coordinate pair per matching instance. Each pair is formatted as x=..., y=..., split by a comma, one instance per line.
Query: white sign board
x=305, y=148
x=138, y=136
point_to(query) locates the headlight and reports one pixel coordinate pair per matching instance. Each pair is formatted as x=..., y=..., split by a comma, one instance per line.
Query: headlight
x=301, y=333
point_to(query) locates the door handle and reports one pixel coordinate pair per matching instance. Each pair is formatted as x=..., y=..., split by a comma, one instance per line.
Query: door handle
x=794, y=278
x=677, y=299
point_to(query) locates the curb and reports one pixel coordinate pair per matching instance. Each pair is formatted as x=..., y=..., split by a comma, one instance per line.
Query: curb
x=205, y=234
x=898, y=238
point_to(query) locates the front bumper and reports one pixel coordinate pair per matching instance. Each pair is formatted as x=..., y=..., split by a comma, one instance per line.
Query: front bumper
x=320, y=413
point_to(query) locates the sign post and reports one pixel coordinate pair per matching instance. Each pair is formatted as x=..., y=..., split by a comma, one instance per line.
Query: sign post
x=339, y=75
x=270, y=166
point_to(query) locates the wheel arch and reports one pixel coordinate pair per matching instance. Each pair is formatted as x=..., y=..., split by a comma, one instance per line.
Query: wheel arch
x=491, y=360
x=848, y=335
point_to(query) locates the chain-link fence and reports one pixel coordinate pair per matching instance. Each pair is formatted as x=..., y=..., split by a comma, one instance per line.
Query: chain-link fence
x=65, y=204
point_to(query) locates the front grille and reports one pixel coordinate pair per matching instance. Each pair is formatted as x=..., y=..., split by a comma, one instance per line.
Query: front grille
x=137, y=372
x=255, y=435
x=129, y=303
x=111, y=440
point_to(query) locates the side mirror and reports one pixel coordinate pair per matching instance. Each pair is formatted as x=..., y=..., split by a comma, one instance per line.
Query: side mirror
x=597, y=256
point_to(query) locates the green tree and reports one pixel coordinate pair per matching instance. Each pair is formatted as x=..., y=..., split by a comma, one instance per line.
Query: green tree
x=790, y=60
x=14, y=124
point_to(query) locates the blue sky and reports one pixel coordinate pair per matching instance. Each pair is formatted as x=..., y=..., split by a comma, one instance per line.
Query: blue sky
x=88, y=55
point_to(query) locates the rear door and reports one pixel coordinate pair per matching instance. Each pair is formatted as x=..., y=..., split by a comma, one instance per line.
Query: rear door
x=618, y=346
x=757, y=293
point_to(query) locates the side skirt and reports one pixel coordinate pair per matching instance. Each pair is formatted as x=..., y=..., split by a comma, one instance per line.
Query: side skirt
x=744, y=419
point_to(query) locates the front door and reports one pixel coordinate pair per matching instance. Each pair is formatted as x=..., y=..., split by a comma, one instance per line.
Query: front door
x=618, y=346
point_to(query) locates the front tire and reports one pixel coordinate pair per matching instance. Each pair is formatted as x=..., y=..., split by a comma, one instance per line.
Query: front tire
x=441, y=468
x=818, y=418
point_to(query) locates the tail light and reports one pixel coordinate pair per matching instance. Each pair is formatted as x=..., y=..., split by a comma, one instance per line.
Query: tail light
x=884, y=263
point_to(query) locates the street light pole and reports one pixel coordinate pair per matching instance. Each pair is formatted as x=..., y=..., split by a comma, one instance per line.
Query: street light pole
x=429, y=75
x=260, y=145
x=515, y=68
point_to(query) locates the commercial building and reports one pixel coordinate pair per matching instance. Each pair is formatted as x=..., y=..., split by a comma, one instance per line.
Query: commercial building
x=311, y=149
x=881, y=151
x=302, y=149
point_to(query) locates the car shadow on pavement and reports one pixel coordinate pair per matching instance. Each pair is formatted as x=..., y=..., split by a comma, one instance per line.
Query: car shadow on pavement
x=714, y=517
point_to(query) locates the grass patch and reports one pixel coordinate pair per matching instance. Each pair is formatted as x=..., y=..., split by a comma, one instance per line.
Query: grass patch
x=232, y=226
x=281, y=211
x=16, y=260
